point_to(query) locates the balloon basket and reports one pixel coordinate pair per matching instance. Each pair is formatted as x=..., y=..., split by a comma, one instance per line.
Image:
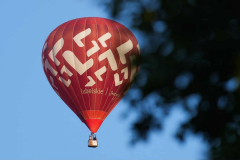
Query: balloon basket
x=92, y=142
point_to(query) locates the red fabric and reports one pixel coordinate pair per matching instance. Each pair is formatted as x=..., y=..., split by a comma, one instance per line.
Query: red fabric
x=93, y=124
x=82, y=90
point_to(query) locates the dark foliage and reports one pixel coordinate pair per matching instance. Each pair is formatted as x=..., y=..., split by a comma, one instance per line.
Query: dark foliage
x=191, y=51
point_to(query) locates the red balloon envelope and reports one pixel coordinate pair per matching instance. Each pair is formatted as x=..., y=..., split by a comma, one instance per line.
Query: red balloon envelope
x=89, y=63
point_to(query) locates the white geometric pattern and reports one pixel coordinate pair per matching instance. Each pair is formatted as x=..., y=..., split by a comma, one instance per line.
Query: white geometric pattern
x=81, y=68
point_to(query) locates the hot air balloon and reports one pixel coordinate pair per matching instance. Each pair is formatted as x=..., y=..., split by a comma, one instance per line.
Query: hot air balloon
x=90, y=64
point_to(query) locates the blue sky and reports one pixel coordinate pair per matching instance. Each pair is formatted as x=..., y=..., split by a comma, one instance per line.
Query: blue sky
x=36, y=124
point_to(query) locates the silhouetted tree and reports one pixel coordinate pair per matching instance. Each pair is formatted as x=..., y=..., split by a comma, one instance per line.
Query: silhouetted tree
x=191, y=56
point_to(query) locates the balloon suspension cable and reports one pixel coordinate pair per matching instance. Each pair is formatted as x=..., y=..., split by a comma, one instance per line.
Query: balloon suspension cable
x=93, y=135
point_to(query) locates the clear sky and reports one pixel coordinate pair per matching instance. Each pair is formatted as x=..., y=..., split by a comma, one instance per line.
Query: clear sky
x=36, y=124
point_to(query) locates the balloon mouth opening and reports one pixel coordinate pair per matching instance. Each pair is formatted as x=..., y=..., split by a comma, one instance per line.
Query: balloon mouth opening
x=92, y=118
x=93, y=124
